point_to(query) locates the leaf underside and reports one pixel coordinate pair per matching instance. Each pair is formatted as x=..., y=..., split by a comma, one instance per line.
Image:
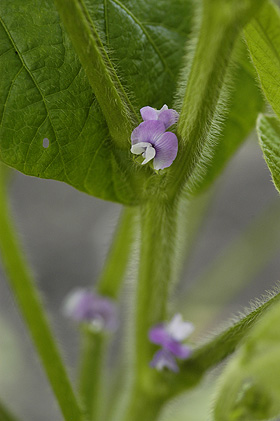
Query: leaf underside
x=44, y=92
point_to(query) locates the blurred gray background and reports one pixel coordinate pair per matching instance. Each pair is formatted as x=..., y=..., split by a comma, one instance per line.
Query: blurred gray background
x=66, y=235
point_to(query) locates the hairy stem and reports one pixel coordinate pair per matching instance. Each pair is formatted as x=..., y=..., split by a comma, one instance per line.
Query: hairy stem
x=112, y=275
x=143, y=407
x=110, y=94
x=216, y=350
x=221, y=24
x=31, y=307
x=158, y=234
x=109, y=284
x=90, y=374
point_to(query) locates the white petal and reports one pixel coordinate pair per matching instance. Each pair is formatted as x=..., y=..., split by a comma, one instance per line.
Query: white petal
x=149, y=154
x=139, y=147
x=164, y=107
x=178, y=329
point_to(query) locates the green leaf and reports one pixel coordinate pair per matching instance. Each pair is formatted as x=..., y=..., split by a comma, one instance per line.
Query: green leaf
x=263, y=39
x=245, y=103
x=268, y=129
x=250, y=385
x=44, y=92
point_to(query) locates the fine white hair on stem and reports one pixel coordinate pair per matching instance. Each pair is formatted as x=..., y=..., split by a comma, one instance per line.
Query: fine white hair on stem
x=214, y=125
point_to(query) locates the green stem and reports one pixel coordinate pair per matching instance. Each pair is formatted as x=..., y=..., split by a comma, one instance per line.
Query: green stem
x=90, y=372
x=143, y=407
x=158, y=229
x=221, y=24
x=109, y=284
x=5, y=414
x=216, y=350
x=158, y=233
x=111, y=96
x=31, y=307
x=110, y=280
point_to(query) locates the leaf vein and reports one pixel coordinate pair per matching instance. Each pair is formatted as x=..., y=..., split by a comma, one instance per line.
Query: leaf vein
x=146, y=33
x=38, y=88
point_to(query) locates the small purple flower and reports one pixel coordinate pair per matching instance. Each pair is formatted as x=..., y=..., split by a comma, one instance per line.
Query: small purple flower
x=166, y=116
x=164, y=359
x=151, y=140
x=169, y=336
x=100, y=312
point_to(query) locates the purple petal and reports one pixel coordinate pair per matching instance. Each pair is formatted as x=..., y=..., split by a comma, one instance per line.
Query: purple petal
x=149, y=113
x=166, y=150
x=148, y=131
x=105, y=311
x=168, y=117
x=159, y=335
x=163, y=359
x=178, y=350
x=85, y=306
x=78, y=305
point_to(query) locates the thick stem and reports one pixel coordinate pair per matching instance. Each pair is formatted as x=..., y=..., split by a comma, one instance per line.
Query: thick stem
x=158, y=234
x=158, y=231
x=142, y=407
x=221, y=24
x=31, y=307
x=110, y=94
x=109, y=284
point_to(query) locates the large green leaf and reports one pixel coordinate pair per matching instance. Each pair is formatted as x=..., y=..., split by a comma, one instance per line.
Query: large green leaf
x=269, y=136
x=44, y=92
x=263, y=39
x=245, y=102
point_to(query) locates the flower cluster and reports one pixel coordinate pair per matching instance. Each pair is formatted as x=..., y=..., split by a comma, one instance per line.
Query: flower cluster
x=150, y=139
x=170, y=336
x=84, y=306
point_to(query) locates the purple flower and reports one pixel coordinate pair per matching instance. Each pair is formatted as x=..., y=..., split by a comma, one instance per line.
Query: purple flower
x=100, y=312
x=164, y=359
x=170, y=336
x=151, y=141
x=166, y=116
